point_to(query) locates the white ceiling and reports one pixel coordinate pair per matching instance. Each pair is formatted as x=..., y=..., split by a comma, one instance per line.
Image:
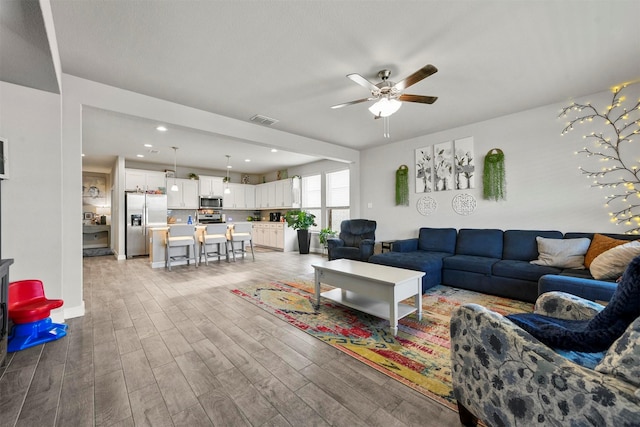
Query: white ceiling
x=288, y=60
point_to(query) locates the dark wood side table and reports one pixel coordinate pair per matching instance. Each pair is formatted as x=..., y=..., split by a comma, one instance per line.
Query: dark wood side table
x=386, y=244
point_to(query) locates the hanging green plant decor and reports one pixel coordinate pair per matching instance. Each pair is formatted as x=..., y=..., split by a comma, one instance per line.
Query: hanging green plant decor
x=402, y=186
x=495, y=187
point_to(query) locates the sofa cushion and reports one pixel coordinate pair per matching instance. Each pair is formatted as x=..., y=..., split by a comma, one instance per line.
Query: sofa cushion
x=475, y=264
x=437, y=239
x=479, y=242
x=562, y=253
x=522, y=270
x=612, y=263
x=429, y=262
x=573, y=272
x=521, y=245
x=417, y=260
x=623, y=357
x=600, y=244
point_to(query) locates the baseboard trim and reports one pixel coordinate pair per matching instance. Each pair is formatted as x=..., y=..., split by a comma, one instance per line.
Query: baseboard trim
x=71, y=312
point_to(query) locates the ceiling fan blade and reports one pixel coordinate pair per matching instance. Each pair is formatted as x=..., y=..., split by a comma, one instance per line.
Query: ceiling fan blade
x=414, y=78
x=352, y=102
x=363, y=82
x=418, y=98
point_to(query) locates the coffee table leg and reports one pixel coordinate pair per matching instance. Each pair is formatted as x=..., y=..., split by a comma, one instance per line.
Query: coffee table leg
x=393, y=318
x=419, y=300
x=318, y=274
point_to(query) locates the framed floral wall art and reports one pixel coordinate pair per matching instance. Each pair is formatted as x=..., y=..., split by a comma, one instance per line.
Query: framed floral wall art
x=443, y=166
x=464, y=163
x=424, y=169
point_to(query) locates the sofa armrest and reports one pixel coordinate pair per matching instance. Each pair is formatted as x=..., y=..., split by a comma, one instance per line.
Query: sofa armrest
x=406, y=245
x=334, y=243
x=566, y=306
x=505, y=376
x=594, y=290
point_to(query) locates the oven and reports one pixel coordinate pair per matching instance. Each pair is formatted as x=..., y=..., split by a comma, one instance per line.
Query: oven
x=210, y=217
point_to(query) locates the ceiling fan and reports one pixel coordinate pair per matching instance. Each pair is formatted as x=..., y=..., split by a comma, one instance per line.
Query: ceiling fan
x=388, y=94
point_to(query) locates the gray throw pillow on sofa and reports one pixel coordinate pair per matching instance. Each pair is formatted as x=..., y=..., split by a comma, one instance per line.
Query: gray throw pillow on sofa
x=562, y=253
x=623, y=357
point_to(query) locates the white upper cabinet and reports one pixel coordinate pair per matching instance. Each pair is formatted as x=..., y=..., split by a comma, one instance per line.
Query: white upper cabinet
x=211, y=186
x=144, y=181
x=187, y=195
x=242, y=196
x=284, y=193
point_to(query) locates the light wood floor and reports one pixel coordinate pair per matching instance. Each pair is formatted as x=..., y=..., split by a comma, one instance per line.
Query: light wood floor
x=176, y=348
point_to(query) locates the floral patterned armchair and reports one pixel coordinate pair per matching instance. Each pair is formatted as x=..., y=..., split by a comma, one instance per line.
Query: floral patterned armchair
x=506, y=377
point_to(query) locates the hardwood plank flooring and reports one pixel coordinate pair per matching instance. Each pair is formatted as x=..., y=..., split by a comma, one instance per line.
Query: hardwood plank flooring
x=160, y=348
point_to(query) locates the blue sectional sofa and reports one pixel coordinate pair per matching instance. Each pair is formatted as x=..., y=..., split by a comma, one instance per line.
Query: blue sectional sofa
x=494, y=262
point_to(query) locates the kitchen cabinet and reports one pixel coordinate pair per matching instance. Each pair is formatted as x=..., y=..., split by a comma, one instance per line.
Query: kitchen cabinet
x=211, y=186
x=284, y=193
x=186, y=197
x=142, y=180
x=274, y=235
x=242, y=196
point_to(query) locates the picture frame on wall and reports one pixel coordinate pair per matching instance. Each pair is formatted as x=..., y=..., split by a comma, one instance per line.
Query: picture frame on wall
x=4, y=158
x=424, y=168
x=465, y=166
x=443, y=166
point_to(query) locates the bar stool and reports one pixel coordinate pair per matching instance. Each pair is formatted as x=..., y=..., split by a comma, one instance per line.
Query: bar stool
x=241, y=233
x=214, y=234
x=181, y=236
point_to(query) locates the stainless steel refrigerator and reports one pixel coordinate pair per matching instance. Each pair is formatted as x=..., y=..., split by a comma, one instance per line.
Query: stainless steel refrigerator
x=141, y=212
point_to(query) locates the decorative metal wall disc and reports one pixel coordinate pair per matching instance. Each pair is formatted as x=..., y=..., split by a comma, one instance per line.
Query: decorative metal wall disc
x=464, y=204
x=426, y=205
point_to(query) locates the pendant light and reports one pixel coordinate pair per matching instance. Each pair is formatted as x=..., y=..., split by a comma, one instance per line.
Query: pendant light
x=174, y=187
x=227, y=190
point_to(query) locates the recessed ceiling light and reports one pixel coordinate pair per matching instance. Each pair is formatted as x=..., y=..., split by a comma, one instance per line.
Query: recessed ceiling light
x=273, y=150
x=229, y=167
x=82, y=154
x=161, y=128
x=139, y=155
x=247, y=160
x=148, y=145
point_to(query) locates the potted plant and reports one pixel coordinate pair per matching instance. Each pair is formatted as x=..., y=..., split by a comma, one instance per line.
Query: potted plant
x=325, y=234
x=301, y=221
x=193, y=175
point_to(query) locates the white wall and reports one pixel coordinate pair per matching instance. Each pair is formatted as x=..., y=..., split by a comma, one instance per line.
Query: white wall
x=545, y=189
x=32, y=231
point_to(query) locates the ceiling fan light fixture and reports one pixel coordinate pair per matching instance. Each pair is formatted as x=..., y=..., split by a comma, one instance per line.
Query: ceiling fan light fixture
x=385, y=107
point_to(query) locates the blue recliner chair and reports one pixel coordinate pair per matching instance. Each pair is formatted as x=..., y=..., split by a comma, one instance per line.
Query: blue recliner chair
x=356, y=240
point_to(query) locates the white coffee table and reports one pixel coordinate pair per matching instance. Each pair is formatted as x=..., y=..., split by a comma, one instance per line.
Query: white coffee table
x=371, y=288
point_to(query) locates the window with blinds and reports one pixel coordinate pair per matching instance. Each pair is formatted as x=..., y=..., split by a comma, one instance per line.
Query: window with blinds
x=337, y=195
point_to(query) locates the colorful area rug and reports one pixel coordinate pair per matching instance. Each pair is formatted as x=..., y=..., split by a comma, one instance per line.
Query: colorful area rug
x=418, y=356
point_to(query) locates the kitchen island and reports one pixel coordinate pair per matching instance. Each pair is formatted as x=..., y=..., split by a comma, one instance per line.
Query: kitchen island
x=273, y=235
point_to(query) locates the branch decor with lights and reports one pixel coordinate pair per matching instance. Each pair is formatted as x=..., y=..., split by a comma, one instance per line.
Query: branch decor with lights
x=612, y=146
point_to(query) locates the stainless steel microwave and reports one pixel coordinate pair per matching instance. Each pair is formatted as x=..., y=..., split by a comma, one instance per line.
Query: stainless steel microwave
x=210, y=202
